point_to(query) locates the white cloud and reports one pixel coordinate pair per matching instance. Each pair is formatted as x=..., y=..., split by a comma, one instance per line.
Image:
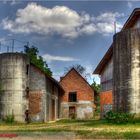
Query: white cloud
x=50, y=58
x=129, y=4
x=59, y=20
x=11, y=2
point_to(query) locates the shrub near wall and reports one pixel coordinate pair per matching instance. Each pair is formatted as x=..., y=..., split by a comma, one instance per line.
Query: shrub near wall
x=10, y=118
x=119, y=117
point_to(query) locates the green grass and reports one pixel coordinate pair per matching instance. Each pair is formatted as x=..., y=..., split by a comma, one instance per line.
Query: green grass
x=81, y=128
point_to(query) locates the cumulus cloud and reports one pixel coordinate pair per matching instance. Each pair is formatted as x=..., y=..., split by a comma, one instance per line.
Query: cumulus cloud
x=59, y=20
x=50, y=58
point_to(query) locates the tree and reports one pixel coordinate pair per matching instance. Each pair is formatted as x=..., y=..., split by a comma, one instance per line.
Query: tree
x=33, y=54
x=79, y=68
x=97, y=88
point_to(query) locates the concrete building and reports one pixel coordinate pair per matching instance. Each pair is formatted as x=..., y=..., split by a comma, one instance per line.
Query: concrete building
x=120, y=69
x=78, y=99
x=26, y=91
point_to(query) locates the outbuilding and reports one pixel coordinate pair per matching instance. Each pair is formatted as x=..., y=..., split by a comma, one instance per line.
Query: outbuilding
x=78, y=99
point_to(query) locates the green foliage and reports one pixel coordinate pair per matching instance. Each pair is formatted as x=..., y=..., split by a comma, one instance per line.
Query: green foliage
x=37, y=60
x=96, y=87
x=10, y=118
x=119, y=117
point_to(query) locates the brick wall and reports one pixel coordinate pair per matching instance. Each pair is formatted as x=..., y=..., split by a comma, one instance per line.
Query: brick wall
x=74, y=82
x=105, y=99
x=35, y=102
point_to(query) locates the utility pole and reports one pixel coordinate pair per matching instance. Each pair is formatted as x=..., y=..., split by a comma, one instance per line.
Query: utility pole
x=0, y=47
x=13, y=45
x=114, y=27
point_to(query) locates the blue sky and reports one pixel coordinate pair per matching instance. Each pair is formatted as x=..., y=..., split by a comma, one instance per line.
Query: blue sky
x=66, y=32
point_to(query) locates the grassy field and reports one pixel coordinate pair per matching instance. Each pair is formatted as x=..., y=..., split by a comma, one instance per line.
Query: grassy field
x=81, y=129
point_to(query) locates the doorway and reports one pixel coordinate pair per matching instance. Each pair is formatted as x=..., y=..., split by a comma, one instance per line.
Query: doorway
x=72, y=112
x=53, y=109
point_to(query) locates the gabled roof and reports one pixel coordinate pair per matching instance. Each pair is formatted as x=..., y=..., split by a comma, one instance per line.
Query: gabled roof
x=132, y=19
x=104, y=61
x=78, y=74
x=128, y=24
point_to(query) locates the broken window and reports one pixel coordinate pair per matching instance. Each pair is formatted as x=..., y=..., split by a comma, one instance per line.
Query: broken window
x=72, y=96
x=27, y=69
x=27, y=92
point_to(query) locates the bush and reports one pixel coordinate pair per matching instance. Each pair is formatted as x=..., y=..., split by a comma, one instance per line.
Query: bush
x=119, y=117
x=9, y=119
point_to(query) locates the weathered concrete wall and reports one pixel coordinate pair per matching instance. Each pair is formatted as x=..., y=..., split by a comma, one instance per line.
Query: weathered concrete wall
x=126, y=54
x=52, y=94
x=37, y=85
x=37, y=79
x=16, y=76
x=84, y=109
x=13, y=81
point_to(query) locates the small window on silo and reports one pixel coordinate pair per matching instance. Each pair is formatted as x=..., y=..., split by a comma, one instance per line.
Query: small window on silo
x=27, y=69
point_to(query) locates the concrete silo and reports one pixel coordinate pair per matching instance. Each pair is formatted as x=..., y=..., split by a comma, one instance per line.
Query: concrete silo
x=13, y=85
x=126, y=61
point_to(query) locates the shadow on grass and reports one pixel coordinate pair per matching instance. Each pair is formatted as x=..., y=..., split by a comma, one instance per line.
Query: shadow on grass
x=105, y=123
x=67, y=121
x=41, y=132
x=108, y=135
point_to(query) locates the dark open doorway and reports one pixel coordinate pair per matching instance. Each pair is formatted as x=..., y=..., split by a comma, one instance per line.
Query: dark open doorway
x=53, y=109
x=72, y=112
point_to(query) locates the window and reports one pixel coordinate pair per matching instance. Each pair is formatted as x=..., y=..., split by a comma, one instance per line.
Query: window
x=27, y=69
x=72, y=97
x=27, y=92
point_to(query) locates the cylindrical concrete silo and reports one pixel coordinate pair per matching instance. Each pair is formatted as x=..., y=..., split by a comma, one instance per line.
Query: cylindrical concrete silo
x=126, y=73
x=13, y=84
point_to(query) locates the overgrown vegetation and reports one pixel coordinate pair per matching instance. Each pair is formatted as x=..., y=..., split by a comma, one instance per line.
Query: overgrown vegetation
x=97, y=88
x=119, y=117
x=37, y=60
x=10, y=118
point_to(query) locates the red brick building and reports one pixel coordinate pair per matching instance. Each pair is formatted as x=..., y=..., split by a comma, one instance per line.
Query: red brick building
x=78, y=99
